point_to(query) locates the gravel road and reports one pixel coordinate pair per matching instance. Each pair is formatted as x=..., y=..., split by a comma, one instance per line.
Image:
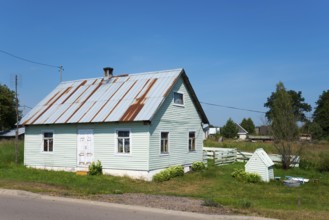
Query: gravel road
x=163, y=202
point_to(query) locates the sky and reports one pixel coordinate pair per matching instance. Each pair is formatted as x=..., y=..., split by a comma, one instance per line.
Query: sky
x=233, y=51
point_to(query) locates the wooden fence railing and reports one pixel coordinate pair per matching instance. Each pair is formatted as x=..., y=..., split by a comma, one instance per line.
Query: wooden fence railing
x=222, y=156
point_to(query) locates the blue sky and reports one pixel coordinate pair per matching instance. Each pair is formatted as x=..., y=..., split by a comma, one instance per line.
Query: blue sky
x=234, y=52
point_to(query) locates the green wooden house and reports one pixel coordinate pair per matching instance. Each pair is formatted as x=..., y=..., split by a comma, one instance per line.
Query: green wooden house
x=135, y=124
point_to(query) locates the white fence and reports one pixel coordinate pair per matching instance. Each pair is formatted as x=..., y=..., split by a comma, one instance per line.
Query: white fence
x=222, y=156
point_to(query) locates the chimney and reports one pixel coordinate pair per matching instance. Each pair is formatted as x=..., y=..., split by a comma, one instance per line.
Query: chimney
x=108, y=72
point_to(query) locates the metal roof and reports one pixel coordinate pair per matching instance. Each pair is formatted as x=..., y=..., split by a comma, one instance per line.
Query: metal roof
x=12, y=132
x=241, y=129
x=123, y=98
x=264, y=157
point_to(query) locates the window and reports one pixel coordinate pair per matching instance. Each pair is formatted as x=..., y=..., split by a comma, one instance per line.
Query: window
x=191, y=141
x=48, y=141
x=178, y=98
x=123, y=142
x=164, y=142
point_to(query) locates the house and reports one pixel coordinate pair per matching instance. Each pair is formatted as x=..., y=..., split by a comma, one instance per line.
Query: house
x=135, y=124
x=263, y=130
x=11, y=134
x=242, y=133
x=261, y=164
x=214, y=130
x=211, y=131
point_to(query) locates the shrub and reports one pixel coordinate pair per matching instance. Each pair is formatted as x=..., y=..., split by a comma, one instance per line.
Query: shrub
x=323, y=165
x=243, y=176
x=253, y=178
x=95, y=168
x=167, y=174
x=197, y=166
x=176, y=171
x=238, y=174
x=164, y=175
x=307, y=164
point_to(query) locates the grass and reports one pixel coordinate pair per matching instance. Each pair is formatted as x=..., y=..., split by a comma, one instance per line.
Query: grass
x=214, y=185
x=243, y=146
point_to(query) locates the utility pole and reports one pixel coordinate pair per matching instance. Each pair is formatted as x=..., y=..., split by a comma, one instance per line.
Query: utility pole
x=16, y=138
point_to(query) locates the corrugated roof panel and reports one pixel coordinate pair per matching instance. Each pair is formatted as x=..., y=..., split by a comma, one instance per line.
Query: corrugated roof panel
x=133, y=97
x=78, y=107
x=150, y=106
x=100, y=98
x=113, y=101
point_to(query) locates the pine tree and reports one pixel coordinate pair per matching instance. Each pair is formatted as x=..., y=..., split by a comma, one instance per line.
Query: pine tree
x=229, y=130
x=249, y=125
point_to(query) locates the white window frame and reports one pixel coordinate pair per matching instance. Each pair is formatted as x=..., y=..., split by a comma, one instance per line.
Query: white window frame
x=168, y=143
x=43, y=141
x=117, y=142
x=183, y=98
x=189, y=139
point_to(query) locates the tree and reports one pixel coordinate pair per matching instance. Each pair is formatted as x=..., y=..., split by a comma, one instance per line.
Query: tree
x=229, y=130
x=7, y=108
x=313, y=128
x=321, y=113
x=249, y=125
x=297, y=102
x=284, y=125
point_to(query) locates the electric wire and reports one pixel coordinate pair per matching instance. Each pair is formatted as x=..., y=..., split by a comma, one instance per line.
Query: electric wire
x=27, y=60
x=231, y=107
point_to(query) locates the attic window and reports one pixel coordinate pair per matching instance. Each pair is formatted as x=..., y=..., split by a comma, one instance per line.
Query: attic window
x=178, y=98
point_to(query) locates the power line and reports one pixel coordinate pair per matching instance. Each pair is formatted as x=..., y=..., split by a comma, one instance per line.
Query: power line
x=27, y=60
x=61, y=69
x=231, y=107
x=25, y=106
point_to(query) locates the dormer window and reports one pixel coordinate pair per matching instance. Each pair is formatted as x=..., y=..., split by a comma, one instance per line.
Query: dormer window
x=178, y=98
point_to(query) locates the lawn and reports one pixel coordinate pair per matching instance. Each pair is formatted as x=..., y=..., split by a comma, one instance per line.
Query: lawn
x=309, y=201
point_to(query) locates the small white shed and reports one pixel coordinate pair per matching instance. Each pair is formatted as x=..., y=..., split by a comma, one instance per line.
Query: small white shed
x=261, y=164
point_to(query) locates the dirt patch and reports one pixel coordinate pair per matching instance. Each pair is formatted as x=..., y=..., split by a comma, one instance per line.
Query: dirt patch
x=163, y=202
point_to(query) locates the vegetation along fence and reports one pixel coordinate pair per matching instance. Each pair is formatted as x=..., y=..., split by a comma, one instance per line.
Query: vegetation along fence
x=222, y=156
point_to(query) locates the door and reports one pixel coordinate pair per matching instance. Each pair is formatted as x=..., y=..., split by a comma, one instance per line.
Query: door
x=85, y=147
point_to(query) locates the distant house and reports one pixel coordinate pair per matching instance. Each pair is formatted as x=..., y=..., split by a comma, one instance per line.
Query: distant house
x=214, y=130
x=135, y=124
x=261, y=164
x=242, y=133
x=263, y=130
x=11, y=134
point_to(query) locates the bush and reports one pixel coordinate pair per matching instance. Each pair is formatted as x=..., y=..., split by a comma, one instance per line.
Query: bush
x=323, y=165
x=307, y=164
x=164, y=175
x=243, y=176
x=253, y=178
x=95, y=168
x=197, y=166
x=176, y=171
x=167, y=174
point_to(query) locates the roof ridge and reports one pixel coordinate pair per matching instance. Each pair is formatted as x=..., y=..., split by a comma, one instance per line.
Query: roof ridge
x=124, y=75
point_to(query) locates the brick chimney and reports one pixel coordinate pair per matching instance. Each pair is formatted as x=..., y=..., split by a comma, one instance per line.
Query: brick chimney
x=108, y=72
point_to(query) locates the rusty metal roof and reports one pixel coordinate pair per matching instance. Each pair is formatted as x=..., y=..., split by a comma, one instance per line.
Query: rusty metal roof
x=125, y=98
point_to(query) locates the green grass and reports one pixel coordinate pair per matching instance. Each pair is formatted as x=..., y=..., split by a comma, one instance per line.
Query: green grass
x=215, y=184
x=243, y=146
